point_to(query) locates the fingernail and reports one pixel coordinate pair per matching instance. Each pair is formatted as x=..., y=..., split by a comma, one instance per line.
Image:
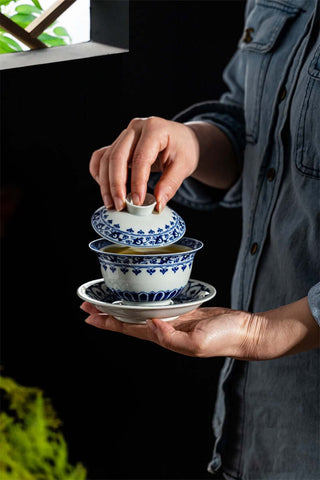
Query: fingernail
x=118, y=203
x=161, y=205
x=135, y=199
x=162, y=202
x=107, y=200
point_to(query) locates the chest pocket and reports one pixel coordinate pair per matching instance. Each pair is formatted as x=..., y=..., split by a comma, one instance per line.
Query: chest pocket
x=264, y=27
x=308, y=133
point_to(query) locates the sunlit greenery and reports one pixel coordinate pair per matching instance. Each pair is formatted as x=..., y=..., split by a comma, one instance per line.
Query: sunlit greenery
x=24, y=12
x=32, y=446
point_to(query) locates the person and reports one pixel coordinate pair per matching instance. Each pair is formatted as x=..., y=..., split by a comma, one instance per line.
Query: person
x=259, y=146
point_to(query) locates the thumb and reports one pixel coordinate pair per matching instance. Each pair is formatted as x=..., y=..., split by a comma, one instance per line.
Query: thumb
x=169, y=182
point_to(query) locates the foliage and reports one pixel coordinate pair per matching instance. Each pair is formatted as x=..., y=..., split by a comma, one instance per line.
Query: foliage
x=23, y=14
x=31, y=445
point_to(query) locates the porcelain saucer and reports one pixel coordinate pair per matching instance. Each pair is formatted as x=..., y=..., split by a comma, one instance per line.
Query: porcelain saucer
x=193, y=295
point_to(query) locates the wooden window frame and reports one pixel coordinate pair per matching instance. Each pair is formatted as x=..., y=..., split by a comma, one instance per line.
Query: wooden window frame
x=109, y=34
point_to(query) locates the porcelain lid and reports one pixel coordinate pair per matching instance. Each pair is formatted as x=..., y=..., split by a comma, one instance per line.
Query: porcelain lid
x=139, y=226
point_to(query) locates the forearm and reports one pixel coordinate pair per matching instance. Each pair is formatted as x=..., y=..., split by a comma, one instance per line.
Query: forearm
x=283, y=331
x=217, y=166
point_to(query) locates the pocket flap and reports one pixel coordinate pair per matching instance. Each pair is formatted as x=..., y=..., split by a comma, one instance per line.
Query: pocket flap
x=264, y=25
x=314, y=67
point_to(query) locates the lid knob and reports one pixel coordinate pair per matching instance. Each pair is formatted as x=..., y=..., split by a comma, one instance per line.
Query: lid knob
x=141, y=210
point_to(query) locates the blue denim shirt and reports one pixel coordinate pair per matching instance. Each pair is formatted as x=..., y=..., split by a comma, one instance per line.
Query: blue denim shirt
x=267, y=419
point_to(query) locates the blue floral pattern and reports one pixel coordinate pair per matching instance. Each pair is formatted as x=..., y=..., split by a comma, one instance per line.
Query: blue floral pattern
x=149, y=263
x=169, y=233
x=191, y=292
x=158, y=296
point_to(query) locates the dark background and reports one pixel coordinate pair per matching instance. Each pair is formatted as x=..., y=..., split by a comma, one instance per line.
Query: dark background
x=130, y=409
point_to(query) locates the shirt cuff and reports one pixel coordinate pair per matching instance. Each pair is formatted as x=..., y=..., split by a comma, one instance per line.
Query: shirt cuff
x=314, y=301
x=229, y=119
x=193, y=194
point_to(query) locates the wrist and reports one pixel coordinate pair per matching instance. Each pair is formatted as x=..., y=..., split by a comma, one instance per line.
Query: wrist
x=296, y=328
x=286, y=330
x=217, y=166
x=252, y=338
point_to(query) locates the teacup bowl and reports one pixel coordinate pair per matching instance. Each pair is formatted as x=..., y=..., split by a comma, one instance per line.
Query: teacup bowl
x=146, y=277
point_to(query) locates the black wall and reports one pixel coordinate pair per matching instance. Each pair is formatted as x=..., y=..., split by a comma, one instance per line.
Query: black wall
x=129, y=409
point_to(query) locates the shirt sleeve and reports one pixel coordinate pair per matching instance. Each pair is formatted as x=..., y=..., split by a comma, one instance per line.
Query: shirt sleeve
x=228, y=115
x=230, y=119
x=314, y=301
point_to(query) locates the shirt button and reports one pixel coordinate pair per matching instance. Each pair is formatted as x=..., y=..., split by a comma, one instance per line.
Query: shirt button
x=214, y=465
x=271, y=173
x=247, y=38
x=254, y=248
x=283, y=93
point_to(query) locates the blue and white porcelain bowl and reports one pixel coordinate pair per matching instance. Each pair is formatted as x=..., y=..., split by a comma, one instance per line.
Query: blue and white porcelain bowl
x=146, y=277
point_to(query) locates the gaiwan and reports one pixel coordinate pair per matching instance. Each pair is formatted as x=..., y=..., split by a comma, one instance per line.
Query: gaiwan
x=143, y=255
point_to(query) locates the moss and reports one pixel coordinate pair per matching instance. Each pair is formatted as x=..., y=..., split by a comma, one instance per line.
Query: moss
x=32, y=446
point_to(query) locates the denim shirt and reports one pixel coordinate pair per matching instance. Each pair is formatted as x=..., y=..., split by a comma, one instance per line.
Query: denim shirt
x=267, y=419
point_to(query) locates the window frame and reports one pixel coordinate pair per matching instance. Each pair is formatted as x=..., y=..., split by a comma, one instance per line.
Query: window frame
x=109, y=34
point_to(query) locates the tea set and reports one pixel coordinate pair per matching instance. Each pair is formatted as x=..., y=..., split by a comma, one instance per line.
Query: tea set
x=146, y=264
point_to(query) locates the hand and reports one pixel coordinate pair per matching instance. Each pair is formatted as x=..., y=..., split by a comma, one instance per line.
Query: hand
x=211, y=332
x=146, y=144
x=204, y=332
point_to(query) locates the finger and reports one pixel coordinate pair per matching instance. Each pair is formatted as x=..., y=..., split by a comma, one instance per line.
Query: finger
x=119, y=159
x=99, y=166
x=149, y=145
x=88, y=308
x=170, y=338
x=103, y=321
x=169, y=183
x=106, y=178
x=94, y=164
x=107, y=322
x=104, y=181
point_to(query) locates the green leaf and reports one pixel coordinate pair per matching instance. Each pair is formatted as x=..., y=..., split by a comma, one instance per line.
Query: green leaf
x=9, y=45
x=23, y=19
x=37, y=4
x=51, y=41
x=4, y=47
x=11, y=42
x=26, y=9
x=61, y=32
x=5, y=2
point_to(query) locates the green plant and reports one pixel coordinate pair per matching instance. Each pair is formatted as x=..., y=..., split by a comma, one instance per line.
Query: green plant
x=31, y=445
x=23, y=14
